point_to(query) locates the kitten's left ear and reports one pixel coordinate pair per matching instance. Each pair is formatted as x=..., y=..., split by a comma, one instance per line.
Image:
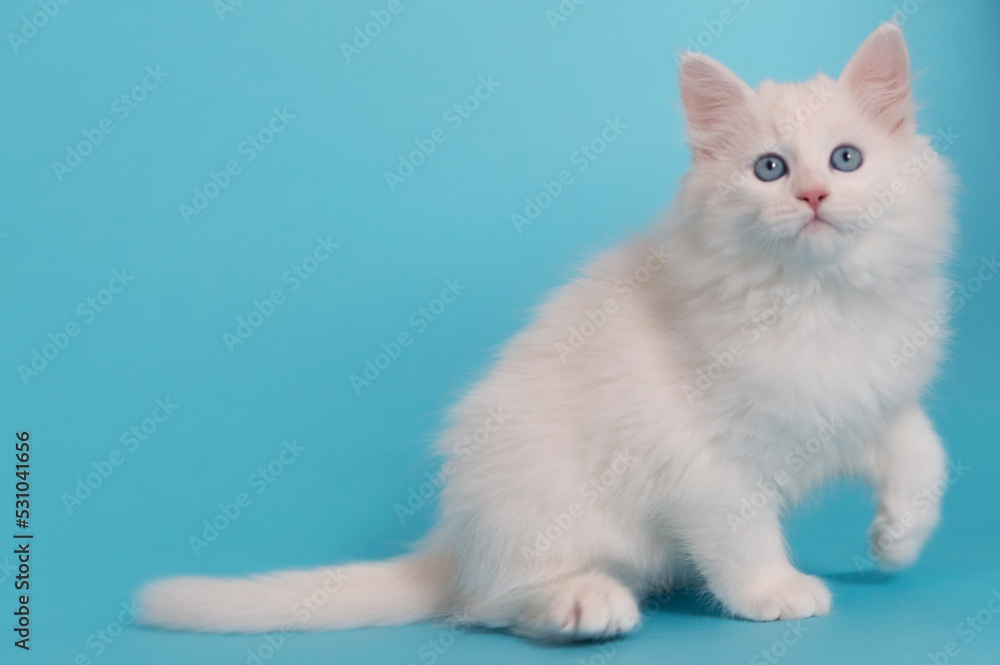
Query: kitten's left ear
x=879, y=77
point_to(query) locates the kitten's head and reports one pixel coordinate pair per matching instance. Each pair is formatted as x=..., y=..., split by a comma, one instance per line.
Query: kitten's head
x=809, y=174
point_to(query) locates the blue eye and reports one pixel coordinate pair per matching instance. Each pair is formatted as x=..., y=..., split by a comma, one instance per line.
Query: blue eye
x=846, y=158
x=770, y=167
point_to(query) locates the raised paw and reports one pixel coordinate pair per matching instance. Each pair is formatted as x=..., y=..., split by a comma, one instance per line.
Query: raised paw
x=784, y=597
x=585, y=607
x=897, y=543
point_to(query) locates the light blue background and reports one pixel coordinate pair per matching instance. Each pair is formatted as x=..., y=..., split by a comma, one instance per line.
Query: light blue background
x=162, y=337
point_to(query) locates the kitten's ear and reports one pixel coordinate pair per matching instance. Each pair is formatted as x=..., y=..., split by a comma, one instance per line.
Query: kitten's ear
x=717, y=105
x=879, y=78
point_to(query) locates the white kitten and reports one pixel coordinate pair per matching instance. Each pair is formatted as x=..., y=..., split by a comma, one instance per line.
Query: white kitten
x=651, y=426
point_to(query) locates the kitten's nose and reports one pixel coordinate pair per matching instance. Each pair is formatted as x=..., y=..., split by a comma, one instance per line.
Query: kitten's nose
x=813, y=197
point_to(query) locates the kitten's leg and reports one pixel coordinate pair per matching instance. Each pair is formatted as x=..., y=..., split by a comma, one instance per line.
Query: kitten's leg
x=580, y=607
x=742, y=559
x=907, y=467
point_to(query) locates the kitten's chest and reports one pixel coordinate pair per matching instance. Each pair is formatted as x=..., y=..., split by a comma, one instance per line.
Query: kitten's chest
x=819, y=360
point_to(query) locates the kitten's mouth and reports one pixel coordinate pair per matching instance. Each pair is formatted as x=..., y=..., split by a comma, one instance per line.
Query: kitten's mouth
x=816, y=224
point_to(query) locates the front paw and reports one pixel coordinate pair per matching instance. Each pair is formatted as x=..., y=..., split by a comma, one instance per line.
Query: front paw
x=897, y=542
x=791, y=595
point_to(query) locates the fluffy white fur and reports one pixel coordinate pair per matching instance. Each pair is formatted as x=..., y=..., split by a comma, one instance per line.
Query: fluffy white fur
x=736, y=349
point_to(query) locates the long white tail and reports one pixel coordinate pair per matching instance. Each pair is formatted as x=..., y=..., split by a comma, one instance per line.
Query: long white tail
x=387, y=593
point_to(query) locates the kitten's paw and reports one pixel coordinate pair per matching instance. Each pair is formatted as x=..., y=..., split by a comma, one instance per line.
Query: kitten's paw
x=896, y=544
x=793, y=595
x=585, y=607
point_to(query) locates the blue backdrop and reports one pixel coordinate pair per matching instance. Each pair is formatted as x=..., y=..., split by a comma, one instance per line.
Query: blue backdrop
x=215, y=214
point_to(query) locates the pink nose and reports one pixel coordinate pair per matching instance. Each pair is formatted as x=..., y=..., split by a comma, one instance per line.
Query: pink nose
x=813, y=197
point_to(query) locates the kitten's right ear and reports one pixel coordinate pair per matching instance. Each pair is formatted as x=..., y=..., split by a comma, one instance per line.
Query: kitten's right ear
x=717, y=104
x=879, y=78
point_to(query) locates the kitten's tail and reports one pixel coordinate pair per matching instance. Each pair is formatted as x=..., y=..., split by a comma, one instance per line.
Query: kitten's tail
x=398, y=591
